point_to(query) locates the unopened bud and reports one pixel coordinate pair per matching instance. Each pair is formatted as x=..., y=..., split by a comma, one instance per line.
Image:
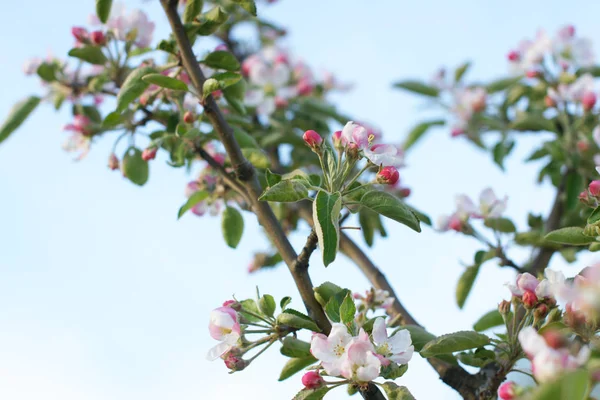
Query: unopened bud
x=532, y=73
x=513, y=56
x=504, y=307
x=189, y=117
x=530, y=299
x=304, y=87
x=312, y=380
x=237, y=306
x=113, y=162
x=455, y=224
x=540, y=312
x=588, y=101
x=550, y=102
x=455, y=132
x=583, y=145
x=222, y=47
x=98, y=38
x=594, y=188
x=554, y=339
x=235, y=363
x=80, y=34
x=507, y=391
x=281, y=103
x=388, y=176
x=404, y=192
x=149, y=153
x=312, y=139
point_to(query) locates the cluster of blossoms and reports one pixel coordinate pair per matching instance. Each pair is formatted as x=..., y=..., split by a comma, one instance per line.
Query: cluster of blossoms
x=490, y=206
x=535, y=293
x=224, y=326
x=373, y=299
x=582, y=298
x=361, y=358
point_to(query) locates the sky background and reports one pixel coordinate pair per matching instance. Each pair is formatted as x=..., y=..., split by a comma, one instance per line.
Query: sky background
x=105, y=295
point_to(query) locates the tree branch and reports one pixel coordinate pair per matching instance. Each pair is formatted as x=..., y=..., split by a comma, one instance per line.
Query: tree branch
x=245, y=171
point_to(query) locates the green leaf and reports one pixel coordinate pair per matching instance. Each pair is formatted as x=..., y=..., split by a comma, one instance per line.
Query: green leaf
x=571, y=235
x=326, y=291
x=297, y=320
x=227, y=79
x=531, y=122
x=594, y=216
x=569, y=386
x=134, y=167
x=420, y=337
x=295, y=348
x=91, y=54
x=249, y=305
x=295, y=365
x=460, y=71
x=257, y=158
x=395, y=392
x=209, y=86
x=418, y=87
x=232, y=224
x=284, y=302
x=593, y=70
x=222, y=60
x=194, y=199
x=347, y=309
x=133, y=87
x=165, y=81
x=502, y=84
x=245, y=140
x=326, y=216
x=393, y=371
x=479, y=358
x=574, y=186
x=103, y=10
x=234, y=95
x=489, y=320
x=450, y=343
x=285, y=191
x=332, y=308
x=391, y=207
x=47, y=71
x=366, y=221
x=211, y=20
x=503, y=225
x=192, y=9
x=267, y=305
x=465, y=284
x=311, y=394
x=250, y=6
x=418, y=131
x=17, y=115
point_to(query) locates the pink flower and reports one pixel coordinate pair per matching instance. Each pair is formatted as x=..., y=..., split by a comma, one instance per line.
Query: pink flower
x=312, y=138
x=397, y=348
x=331, y=349
x=491, y=206
x=80, y=34
x=360, y=363
x=525, y=282
x=385, y=155
x=388, y=176
x=224, y=326
x=355, y=134
x=312, y=380
x=81, y=124
x=133, y=27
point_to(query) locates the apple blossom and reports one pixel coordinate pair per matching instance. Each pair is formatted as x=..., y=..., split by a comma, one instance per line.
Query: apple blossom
x=312, y=380
x=224, y=326
x=397, y=348
x=134, y=27
x=331, y=349
x=386, y=155
x=149, y=153
x=312, y=139
x=465, y=208
x=80, y=34
x=31, y=65
x=588, y=100
x=355, y=134
x=489, y=205
x=359, y=363
x=507, y=391
x=373, y=299
x=571, y=49
x=388, y=175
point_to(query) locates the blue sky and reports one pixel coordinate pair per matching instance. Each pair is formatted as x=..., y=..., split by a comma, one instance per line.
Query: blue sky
x=105, y=295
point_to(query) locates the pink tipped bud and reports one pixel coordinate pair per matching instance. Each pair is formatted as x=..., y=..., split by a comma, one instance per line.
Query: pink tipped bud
x=594, y=188
x=232, y=304
x=530, y=299
x=455, y=132
x=583, y=145
x=504, y=307
x=570, y=30
x=235, y=363
x=337, y=138
x=312, y=380
x=281, y=59
x=113, y=162
x=588, y=100
x=507, y=391
x=532, y=73
x=513, y=56
x=540, y=311
x=280, y=102
x=584, y=197
x=550, y=102
x=455, y=224
x=312, y=138
x=404, y=192
x=80, y=34
x=189, y=117
x=554, y=339
x=217, y=94
x=149, y=153
x=98, y=38
x=388, y=176
x=304, y=87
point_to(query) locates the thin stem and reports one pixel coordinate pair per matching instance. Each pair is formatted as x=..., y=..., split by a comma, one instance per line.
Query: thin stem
x=262, y=350
x=366, y=167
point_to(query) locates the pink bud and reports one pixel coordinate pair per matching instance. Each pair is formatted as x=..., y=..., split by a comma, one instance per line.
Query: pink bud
x=588, y=100
x=594, y=188
x=235, y=363
x=280, y=102
x=513, y=56
x=113, y=162
x=149, y=153
x=507, y=391
x=457, y=132
x=455, y=224
x=98, y=38
x=304, y=87
x=388, y=175
x=281, y=58
x=554, y=339
x=312, y=138
x=80, y=34
x=584, y=197
x=570, y=30
x=532, y=73
x=530, y=299
x=404, y=192
x=550, y=102
x=217, y=94
x=189, y=117
x=583, y=145
x=312, y=380
x=540, y=311
x=337, y=138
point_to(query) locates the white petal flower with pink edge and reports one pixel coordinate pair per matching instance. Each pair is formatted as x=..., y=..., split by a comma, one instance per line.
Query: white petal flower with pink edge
x=386, y=155
x=550, y=286
x=331, y=349
x=491, y=206
x=397, y=348
x=524, y=283
x=360, y=363
x=224, y=326
x=355, y=134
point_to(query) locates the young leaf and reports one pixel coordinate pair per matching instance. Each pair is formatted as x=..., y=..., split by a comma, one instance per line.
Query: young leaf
x=326, y=291
x=285, y=191
x=232, y=224
x=249, y=305
x=284, y=302
x=192, y=9
x=210, y=21
x=257, y=158
x=47, y=71
x=234, y=95
x=418, y=87
x=418, y=131
x=134, y=167
x=295, y=348
x=574, y=186
x=395, y=392
x=165, y=81
x=531, y=122
x=571, y=235
x=297, y=320
x=103, y=10
x=267, y=305
x=393, y=370
x=465, y=284
x=91, y=54
x=326, y=216
x=502, y=84
x=458, y=341
x=295, y=365
x=389, y=206
x=311, y=394
x=194, y=199
x=227, y=79
x=460, y=71
x=222, y=60
x=594, y=216
x=503, y=225
x=347, y=309
x=133, y=87
x=18, y=114
x=489, y=320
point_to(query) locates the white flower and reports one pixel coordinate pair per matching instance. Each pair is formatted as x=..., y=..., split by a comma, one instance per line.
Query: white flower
x=136, y=26
x=270, y=84
x=386, y=155
x=224, y=326
x=331, y=349
x=572, y=49
x=549, y=287
x=397, y=348
x=360, y=363
x=356, y=134
x=524, y=283
x=489, y=205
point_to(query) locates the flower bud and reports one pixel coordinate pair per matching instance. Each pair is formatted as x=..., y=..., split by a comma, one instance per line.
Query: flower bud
x=337, y=139
x=513, y=56
x=507, y=391
x=594, y=188
x=98, y=38
x=281, y=103
x=80, y=34
x=540, y=312
x=588, y=100
x=530, y=299
x=388, y=175
x=232, y=304
x=235, y=363
x=455, y=224
x=312, y=380
x=504, y=307
x=304, y=87
x=550, y=102
x=455, y=132
x=554, y=339
x=189, y=117
x=312, y=139
x=532, y=73
x=583, y=145
x=404, y=192
x=113, y=162
x=149, y=153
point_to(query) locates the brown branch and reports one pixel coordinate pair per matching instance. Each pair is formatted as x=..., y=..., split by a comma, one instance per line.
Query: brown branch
x=245, y=171
x=309, y=248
